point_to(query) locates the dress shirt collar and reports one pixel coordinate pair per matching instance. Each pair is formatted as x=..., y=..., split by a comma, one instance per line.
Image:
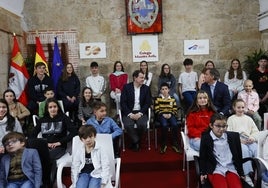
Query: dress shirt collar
x=214, y=137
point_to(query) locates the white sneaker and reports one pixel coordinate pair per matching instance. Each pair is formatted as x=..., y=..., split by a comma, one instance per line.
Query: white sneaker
x=249, y=181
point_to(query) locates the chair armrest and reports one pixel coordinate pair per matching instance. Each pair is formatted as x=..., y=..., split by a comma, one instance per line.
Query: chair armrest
x=261, y=166
x=35, y=117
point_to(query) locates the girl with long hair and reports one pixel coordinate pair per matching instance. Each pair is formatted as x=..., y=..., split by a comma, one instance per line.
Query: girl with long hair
x=85, y=108
x=68, y=90
x=235, y=78
x=198, y=117
x=117, y=81
x=7, y=123
x=147, y=75
x=166, y=77
x=16, y=109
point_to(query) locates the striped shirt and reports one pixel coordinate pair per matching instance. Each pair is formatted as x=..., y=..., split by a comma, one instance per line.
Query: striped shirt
x=164, y=105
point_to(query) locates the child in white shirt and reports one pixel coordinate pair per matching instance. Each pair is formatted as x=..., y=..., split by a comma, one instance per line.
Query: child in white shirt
x=188, y=83
x=245, y=126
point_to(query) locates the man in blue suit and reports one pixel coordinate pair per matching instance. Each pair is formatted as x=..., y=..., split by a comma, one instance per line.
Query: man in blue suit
x=217, y=91
x=135, y=102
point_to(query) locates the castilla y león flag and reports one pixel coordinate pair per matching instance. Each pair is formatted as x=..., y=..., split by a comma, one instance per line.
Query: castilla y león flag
x=18, y=74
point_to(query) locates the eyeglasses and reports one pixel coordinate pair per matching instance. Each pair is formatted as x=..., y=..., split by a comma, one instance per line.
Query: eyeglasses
x=7, y=143
x=220, y=126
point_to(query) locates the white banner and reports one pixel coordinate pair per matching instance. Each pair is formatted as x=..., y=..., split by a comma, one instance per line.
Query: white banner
x=145, y=47
x=196, y=47
x=92, y=50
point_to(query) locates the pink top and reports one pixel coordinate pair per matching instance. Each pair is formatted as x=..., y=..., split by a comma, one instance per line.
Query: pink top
x=251, y=99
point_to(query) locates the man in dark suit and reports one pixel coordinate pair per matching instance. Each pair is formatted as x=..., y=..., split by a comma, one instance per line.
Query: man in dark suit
x=217, y=91
x=135, y=102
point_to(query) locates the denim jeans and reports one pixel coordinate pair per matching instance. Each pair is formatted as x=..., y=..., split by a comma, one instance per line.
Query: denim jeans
x=20, y=184
x=85, y=180
x=177, y=99
x=195, y=143
x=172, y=122
x=249, y=150
x=189, y=98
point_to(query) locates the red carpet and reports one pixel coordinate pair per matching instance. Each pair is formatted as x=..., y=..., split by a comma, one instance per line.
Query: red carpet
x=152, y=169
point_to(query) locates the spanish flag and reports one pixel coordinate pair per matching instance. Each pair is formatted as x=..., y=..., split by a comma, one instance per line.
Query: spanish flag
x=18, y=74
x=40, y=55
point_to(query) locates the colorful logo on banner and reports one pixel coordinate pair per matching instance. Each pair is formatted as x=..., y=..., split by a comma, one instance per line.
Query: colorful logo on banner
x=143, y=13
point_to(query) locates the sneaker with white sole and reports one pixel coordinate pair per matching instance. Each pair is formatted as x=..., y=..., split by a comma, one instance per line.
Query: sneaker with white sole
x=163, y=149
x=248, y=180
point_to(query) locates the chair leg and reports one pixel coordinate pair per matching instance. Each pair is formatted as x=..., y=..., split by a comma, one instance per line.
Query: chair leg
x=183, y=161
x=59, y=175
x=155, y=138
x=123, y=142
x=149, y=140
x=188, y=174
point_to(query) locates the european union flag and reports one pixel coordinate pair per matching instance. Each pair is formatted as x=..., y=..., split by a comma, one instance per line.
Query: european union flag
x=57, y=65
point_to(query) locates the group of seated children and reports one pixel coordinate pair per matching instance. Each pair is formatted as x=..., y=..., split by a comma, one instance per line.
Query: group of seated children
x=221, y=150
x=21, y=167
x=57, y=130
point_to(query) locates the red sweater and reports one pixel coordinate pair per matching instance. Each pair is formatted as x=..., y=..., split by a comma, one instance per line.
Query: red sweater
x=197, y=122
x=117, y=81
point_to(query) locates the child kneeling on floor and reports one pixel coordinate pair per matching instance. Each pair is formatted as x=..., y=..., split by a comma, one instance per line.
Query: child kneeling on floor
x=90, y=166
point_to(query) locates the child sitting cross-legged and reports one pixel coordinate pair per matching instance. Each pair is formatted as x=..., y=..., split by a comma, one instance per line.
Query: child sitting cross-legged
x=20, y=167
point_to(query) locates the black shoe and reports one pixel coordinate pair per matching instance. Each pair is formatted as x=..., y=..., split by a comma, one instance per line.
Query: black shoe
x=163, y=149
x=176, y=149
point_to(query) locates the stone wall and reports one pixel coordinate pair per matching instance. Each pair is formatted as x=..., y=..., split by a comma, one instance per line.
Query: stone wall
x=231, y=27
